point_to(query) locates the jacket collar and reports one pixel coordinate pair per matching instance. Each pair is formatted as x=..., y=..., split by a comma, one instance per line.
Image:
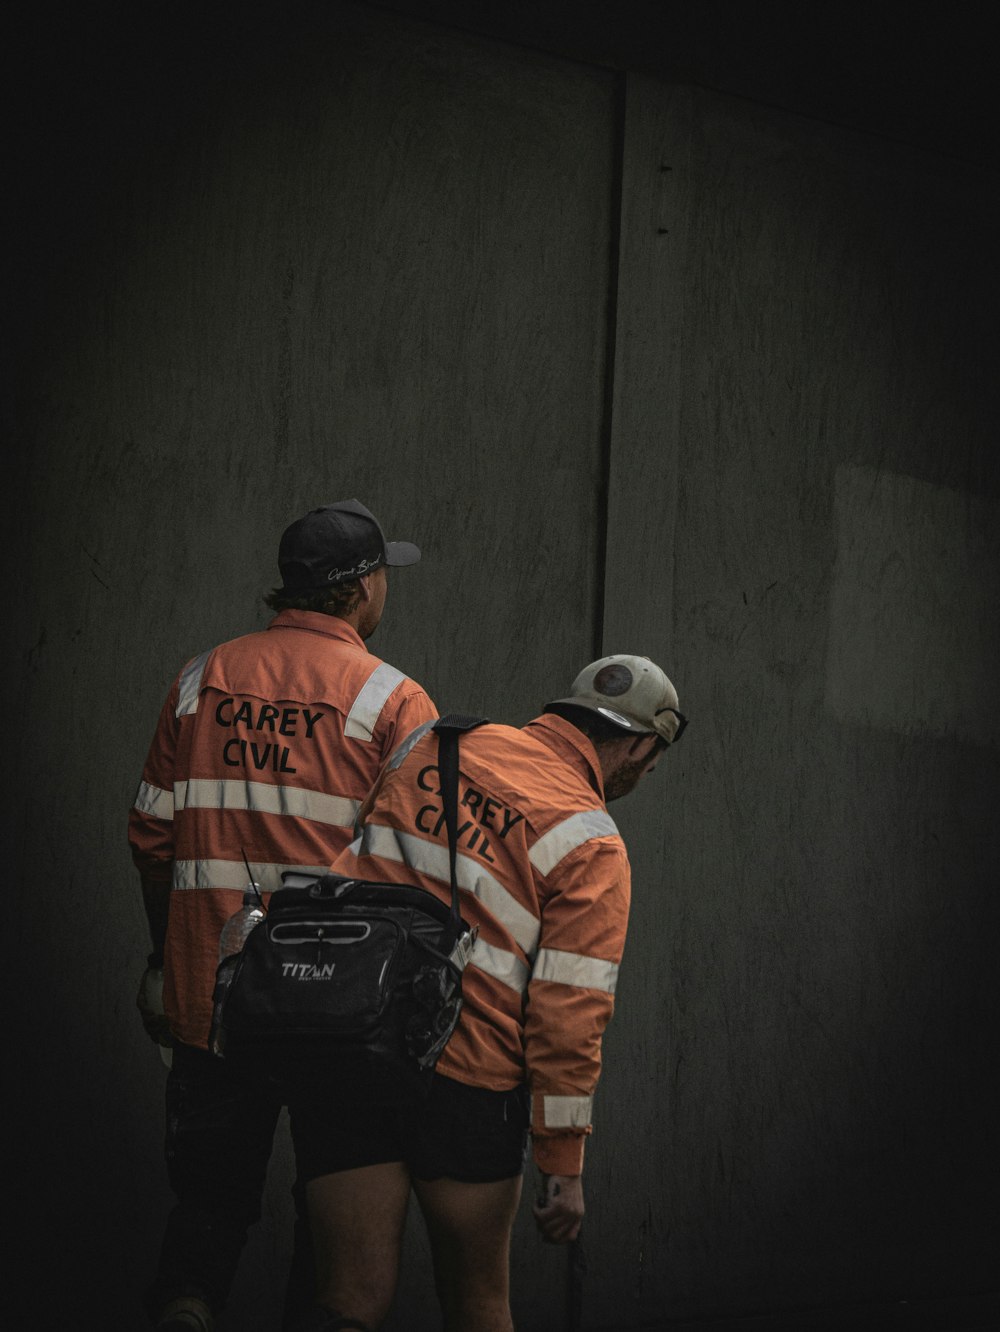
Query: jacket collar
x=571, y=745
x=315, y=622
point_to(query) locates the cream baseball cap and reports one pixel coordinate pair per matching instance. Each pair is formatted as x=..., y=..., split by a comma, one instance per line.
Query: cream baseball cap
x=630, y=691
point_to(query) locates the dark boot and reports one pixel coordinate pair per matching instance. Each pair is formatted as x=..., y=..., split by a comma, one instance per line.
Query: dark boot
x=185, y=1314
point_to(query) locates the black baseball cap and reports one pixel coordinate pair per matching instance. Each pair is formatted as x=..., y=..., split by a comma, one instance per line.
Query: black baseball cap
x=335, y=544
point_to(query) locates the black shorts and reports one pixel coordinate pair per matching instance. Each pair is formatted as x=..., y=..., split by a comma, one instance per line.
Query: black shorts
x=459, y=1132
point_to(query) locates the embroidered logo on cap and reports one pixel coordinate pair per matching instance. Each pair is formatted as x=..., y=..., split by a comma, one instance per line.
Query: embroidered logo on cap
x=360, y=569
x=613, y=680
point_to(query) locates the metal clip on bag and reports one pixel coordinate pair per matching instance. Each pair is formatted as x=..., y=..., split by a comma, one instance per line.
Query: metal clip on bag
x=350, y=980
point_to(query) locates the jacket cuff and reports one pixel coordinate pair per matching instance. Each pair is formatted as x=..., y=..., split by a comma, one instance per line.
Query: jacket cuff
x=559, y=1155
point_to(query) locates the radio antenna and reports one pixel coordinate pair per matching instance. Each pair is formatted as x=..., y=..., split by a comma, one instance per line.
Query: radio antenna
x=253, y=881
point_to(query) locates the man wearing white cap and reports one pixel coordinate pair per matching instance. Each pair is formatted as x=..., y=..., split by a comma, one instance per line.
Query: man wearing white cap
x=544, y=879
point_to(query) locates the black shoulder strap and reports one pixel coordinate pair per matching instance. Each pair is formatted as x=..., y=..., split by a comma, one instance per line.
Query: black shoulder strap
x=448, y=730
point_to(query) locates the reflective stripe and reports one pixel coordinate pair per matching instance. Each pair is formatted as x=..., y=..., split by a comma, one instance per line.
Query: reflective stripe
x=193, y=874
x=367, y=707
x=190, y=684
x=567, y=1111
x=431, y=859
x=399, y=754
x=589, y=973
x=263, y=798
x=565, y=837
x=501, y=965
x=153, y=800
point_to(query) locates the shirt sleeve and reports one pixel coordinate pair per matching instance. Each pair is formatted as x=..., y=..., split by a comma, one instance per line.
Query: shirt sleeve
x=151, y=818
x=571, y=996
x=412, y=710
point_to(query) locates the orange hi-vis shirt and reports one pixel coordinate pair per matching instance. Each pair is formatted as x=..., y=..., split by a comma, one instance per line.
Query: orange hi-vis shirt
x=545, y=877
x=265, y=748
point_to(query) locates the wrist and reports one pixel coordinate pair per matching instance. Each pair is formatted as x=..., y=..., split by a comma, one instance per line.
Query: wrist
x=560, y=1154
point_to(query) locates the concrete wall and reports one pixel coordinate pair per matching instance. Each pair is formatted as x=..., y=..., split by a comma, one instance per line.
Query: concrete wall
x=803, y=522
x=383, y=259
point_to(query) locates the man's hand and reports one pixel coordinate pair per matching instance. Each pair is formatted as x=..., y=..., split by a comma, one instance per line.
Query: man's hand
x=149, y=1002
x=559, y=1211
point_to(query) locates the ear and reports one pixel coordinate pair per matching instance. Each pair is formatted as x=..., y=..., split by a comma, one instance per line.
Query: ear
x=641, y=740
x=363, y=583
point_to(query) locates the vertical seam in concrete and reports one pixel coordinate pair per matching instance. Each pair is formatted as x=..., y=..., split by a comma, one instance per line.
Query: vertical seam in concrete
x=611, y=333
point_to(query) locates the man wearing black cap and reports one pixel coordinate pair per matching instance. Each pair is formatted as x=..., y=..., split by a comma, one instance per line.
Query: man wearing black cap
x=264, y=750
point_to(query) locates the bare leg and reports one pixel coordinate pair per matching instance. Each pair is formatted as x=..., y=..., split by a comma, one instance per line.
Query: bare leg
x=469, y=1227
x=357, y=1219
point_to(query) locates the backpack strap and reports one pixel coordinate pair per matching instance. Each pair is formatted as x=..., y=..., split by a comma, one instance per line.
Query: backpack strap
x=448, y=730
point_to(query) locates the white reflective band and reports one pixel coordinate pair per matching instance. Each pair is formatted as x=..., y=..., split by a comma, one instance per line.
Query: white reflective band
x=567, y=1111
x=501, y=965
x=153, y=800
x=565, y=837
x=190, y=684
x=367, y=707
x=399, y=754
x=193, y=874
x=431, y=859
x=589, y=973
x=263, y=798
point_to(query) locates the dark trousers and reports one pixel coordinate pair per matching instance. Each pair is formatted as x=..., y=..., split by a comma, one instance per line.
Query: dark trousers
x=220, y=1130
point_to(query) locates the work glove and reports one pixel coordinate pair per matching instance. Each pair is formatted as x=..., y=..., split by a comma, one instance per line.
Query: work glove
x=149, y=1002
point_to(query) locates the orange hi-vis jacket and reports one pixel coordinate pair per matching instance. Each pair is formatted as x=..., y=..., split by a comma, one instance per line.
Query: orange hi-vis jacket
x=545, y=877
x=265, y=748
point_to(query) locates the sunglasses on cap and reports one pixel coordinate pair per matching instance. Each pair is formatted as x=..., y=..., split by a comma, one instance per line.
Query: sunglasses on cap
x=682, y=722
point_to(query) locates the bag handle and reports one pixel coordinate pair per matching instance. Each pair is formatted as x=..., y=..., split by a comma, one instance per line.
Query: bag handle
x=448, y=730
